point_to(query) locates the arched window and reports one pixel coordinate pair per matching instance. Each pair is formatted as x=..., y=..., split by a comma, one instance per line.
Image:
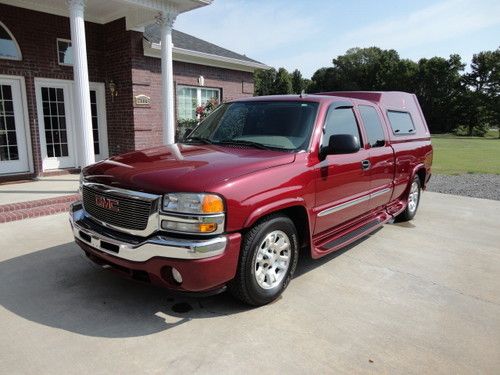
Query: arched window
x=9, y=49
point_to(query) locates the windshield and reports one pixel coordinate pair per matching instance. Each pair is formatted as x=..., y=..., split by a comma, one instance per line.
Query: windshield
x=284, y=125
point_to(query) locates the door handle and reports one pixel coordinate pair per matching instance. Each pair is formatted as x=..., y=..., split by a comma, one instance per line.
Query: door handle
x=365, y=164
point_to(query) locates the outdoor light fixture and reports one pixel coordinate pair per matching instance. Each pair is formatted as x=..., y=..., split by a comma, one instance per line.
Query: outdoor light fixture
x=112, y=89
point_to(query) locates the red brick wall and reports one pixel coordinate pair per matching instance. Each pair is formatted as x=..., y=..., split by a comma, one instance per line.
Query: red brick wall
x=113, y=54
x=36, y=33
x=146, y=78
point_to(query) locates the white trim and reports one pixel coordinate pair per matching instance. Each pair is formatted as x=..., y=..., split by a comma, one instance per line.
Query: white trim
x=99, y=88
x=198, y=94
x=70, y=161
x=20, y=58
x=27, y=129
x=200, y=58
x=57, y=43
x=129, y=10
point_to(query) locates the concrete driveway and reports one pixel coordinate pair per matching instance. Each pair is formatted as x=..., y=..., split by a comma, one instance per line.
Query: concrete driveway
x=420, y=297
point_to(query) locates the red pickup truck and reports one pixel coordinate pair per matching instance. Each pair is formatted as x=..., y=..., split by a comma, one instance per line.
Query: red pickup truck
x=255, y=185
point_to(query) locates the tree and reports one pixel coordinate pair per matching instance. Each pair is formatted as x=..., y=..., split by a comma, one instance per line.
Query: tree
x=438, y=88
x=282, y=83
x=264, y=81
x=298, y=83
x=482, y=85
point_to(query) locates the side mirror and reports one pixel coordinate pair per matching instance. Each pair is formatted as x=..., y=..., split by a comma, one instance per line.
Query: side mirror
x=340, y=144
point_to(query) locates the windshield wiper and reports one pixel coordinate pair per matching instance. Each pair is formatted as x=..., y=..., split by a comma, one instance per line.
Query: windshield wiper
x=245, y=143
x=198, y=140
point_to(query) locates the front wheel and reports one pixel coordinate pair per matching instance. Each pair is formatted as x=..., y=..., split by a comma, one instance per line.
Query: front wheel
x=267, y=262
x=412, y=201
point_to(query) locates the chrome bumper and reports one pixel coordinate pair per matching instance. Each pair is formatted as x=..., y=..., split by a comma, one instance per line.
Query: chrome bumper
x=136, y=249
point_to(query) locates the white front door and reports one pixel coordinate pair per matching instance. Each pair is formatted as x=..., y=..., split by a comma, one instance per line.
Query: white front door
x=58, y=138
x=55, y=121
x=13, y=144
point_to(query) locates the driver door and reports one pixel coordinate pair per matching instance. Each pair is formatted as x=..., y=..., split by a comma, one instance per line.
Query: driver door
x=342, y=181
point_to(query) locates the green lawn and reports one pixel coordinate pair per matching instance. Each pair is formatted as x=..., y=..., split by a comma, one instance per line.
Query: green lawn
x=458, y=155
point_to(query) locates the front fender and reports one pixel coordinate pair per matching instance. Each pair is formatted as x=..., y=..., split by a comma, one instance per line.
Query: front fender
x=273, y=207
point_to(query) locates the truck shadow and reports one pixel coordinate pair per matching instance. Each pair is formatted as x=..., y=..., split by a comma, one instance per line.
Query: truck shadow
x=59, y=287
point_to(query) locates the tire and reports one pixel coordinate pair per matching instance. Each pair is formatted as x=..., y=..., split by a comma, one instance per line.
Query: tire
x=412, y=201
x=262, y=275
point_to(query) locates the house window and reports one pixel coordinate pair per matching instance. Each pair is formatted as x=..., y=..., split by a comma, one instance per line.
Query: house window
x=189, y=98
x=9, y=49
x=64, y=52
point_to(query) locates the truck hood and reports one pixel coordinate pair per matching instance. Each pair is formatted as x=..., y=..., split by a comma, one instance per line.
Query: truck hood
x=179, y=167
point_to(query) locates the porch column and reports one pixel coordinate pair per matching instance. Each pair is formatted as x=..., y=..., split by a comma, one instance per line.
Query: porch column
x=83, y=114
x=166, y=20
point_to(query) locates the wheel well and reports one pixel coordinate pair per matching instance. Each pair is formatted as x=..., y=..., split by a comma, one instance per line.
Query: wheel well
x=298, y=215
x=421, y=175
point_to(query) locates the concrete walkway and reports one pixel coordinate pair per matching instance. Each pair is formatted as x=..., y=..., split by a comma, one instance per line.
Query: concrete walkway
x=43, y=188
x=414, y=298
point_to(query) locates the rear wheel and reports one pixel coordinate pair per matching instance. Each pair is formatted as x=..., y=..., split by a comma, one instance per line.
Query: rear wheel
x=412, y=201
x=267, y=262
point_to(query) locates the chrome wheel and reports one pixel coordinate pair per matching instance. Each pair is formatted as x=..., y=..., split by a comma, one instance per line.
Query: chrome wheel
x=272, y=259
x=413, y=197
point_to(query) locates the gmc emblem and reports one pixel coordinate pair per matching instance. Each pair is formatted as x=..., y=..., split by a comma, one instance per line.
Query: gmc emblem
x=108, y=204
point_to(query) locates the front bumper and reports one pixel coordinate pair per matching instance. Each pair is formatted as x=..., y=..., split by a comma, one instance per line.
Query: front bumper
x=204, y=264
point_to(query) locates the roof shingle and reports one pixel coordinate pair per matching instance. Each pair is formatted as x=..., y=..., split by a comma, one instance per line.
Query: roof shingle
x=191, y=43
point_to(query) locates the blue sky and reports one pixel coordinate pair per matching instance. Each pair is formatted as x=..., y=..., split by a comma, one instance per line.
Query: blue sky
x=307, y=34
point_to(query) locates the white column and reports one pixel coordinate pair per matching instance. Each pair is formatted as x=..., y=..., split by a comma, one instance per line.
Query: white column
x=166, y=21
x=83, y=115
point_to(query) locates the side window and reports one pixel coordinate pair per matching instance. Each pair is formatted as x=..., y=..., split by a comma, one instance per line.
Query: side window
x=373, y=126
x=401, y=122
x=340, y=121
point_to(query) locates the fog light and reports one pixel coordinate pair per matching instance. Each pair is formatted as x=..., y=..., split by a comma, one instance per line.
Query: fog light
x=176, y=275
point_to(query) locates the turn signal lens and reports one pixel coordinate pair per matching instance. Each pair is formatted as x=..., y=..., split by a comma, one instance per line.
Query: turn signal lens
x=212, y=204
x=208, y=227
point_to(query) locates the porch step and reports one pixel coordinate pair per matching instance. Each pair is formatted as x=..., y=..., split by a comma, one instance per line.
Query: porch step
x=36, y=208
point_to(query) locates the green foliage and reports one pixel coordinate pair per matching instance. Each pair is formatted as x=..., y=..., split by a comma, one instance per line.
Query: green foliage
x=264, y=81
x=183, y=125
x=465, y=104
x=298, y=83
x=283, y=82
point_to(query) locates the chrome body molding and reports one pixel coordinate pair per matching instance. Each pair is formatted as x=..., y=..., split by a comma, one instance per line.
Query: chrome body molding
x=353, y=202
x=139, y=250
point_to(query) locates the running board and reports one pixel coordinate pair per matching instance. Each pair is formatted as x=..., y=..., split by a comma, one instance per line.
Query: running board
x=349, y=236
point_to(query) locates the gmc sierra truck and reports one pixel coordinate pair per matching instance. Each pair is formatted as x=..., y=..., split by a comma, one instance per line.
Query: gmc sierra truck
x=255, y=185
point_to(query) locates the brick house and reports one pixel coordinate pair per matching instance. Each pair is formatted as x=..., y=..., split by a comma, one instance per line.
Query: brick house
x=39, y=105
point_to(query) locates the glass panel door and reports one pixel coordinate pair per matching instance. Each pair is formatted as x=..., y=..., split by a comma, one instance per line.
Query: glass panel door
x=13, y=146
x=55, y=122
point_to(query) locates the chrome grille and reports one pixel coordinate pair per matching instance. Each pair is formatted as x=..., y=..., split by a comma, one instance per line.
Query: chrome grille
x=132, y=213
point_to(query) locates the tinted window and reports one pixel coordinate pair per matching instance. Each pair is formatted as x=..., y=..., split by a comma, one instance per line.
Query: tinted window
x=340, y=121
x=401, y=122
x=373, y=126
x=278, y=124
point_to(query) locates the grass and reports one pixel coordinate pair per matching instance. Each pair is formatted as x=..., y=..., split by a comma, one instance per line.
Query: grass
x=460, y=155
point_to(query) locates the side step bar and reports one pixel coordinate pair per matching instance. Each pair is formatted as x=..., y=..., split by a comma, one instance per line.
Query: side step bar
x=349, y=236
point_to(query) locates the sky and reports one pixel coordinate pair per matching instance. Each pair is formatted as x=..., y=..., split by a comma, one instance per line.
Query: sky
x=308, y=34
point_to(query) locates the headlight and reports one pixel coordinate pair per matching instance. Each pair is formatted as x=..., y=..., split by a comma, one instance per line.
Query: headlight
x=191, y=203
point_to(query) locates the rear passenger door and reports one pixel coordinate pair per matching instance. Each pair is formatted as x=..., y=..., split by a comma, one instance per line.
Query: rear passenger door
x=381, y=156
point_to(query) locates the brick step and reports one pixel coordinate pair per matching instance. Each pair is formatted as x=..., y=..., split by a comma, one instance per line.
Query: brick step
x=41, y=207
x=38, y=203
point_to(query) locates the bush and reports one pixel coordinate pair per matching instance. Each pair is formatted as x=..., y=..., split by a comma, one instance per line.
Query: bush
x=184, y=125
